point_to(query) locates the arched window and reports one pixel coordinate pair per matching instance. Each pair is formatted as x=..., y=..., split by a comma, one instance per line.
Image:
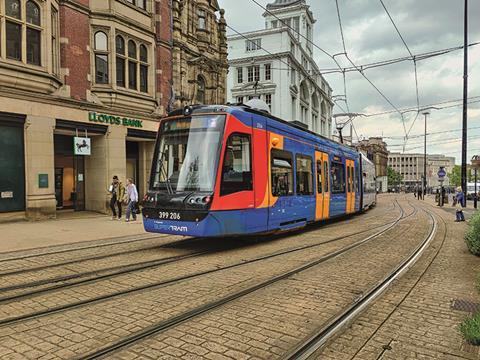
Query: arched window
x=16, y=25
x=143, y=68
x=101, y=57
x=132, y=65
x=120, y=51
x=200, y=90
x=315, y=113
x=304, y=102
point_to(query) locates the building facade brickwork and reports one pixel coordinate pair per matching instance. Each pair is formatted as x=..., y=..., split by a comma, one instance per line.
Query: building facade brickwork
x=97, y=70
x=199, y=52
x=376, y=150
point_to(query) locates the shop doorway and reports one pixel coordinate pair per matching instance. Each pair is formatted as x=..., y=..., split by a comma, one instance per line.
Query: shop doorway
x=12, y=168
x=133, y=163
x=69, y=175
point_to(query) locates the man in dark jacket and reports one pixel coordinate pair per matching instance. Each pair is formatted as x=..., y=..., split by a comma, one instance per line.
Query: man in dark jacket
x=117, y=191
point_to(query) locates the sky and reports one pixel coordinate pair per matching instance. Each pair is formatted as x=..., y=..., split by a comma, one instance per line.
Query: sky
x=426, y=25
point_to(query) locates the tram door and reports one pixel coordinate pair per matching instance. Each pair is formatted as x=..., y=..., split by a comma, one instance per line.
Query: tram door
x=323, y=188
x=350, y=186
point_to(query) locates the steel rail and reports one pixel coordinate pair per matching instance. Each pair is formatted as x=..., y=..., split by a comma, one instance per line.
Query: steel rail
x=61, y=308
x=99, y=257
x=313, y=343
x=181, y=318
x=119, y=270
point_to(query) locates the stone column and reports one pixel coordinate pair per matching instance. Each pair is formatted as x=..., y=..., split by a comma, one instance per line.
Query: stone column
x=108, y=158
x=39, y=159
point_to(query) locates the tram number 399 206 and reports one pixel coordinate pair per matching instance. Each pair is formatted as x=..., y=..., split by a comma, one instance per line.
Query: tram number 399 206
x=166, y=215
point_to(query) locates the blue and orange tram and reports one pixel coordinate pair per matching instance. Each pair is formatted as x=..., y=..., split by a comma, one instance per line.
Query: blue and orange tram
x=235, y=170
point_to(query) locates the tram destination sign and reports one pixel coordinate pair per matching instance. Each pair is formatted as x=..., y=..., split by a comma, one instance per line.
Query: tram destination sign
x=114, y=120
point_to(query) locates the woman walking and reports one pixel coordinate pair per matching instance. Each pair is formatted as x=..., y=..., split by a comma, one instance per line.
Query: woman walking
x=459, y=202
x=132, y=200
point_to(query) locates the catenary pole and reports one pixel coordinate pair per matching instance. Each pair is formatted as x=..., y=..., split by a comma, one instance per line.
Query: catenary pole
x=465, y=94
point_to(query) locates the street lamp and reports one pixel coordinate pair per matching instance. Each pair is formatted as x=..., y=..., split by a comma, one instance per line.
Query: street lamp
x=424, y=186
x=425, y=112
x=475, y=166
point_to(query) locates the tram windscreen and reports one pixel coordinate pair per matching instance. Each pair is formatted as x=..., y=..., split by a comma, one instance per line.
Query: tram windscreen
x=187, y=154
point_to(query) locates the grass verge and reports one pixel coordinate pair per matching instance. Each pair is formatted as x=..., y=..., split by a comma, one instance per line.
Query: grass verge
x=472, y=237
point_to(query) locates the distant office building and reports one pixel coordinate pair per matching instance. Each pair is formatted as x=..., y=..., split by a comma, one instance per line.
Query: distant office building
x=276, y=65
x=411, y=167
x=376, y=150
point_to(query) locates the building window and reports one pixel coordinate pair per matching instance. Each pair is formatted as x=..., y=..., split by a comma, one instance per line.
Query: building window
x=237, y=165
x=55, y=42
x=268, y=72
x=132, y=65
x=304, y=175
x=101, y=58
x=268, y=100
x=296, y=26
x=282, y=173
x=239, y=99
x=252, y=45
x=240, y=75
x=143, y=68
x=16, y=27
x=256, y=73
x=140, y=3
x=200, y=90
x=202, y=19
x=293, y=74
x=250, y=74
x=292, y=48
x=120, y=51
x=274, y=24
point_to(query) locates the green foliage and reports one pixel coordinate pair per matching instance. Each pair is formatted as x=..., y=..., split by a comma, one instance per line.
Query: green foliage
x=472, y=237
x=456, y=175
x=470, y=329
x=394, y=177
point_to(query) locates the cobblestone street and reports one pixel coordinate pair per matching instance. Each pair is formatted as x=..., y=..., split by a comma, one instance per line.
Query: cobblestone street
x=170, y=297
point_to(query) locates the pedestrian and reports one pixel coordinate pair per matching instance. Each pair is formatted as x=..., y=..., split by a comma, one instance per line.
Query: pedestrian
x=132, y=200
x=117, y=192
x=459, y=202
x=419, y=193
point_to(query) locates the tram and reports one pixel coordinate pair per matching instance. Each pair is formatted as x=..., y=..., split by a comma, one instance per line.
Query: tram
x=237, y=170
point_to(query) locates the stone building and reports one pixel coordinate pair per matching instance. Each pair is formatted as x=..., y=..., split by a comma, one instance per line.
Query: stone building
x=199, y=52
x=96, y=74
x=277, y=65
x=376, y=150
x=411, y=167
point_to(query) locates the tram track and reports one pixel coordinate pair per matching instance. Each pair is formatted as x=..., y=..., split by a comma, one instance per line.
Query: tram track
x=111, y=244
x=205, y=308
x=319, y=338
x=67, y=281
x=175, y=280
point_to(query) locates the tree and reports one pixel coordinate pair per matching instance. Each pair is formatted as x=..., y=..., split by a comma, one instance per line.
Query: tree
x=456, y=176
x=394, y=177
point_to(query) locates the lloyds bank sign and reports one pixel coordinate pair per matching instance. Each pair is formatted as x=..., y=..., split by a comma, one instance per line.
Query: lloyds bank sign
x=114, y=120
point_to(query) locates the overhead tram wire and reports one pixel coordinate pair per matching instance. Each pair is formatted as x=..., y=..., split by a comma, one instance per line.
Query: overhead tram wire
x=362, y=73
x=332, y=57
x=373, y=65
x=414, y=67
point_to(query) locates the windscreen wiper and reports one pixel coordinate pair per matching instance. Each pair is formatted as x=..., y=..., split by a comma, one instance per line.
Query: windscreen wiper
x=164, y=172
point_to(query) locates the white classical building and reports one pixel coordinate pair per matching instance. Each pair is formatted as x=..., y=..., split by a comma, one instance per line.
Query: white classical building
x=276, y=65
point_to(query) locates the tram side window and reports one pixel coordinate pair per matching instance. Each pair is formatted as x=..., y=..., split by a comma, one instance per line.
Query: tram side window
x=357, y=190
x=338, y=178
x=237, y=165
x=319, y=177
x=304, y=175
x=282, y=173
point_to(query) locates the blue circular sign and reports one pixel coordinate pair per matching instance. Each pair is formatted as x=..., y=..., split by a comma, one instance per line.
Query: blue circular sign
x=442, y=173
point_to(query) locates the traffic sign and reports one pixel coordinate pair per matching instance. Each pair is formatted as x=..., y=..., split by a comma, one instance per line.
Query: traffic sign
x=442, y=173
